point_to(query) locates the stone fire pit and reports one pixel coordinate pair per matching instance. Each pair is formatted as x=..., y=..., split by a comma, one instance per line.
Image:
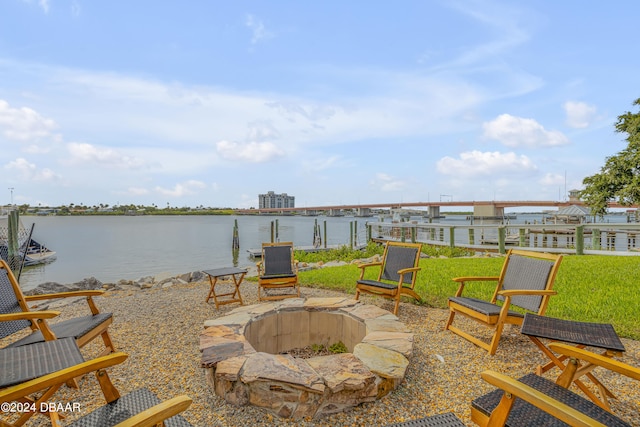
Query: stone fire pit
x=242, y=360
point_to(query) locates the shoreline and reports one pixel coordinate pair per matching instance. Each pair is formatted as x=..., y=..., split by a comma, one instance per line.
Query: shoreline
x=159, y=328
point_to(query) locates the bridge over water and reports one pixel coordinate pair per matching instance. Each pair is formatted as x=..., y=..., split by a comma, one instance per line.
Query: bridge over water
x=491, y=208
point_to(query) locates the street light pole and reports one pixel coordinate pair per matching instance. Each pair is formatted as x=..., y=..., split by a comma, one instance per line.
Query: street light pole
x=11, y=189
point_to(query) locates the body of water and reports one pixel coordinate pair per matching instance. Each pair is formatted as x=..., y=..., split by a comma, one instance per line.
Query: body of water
x=111, y=248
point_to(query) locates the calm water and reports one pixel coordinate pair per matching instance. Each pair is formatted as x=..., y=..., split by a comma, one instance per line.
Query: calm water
x=111, y=248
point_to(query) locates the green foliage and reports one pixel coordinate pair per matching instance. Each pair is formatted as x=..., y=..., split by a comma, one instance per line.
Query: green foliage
x=619, y=178
x=343, y=253
x=338, y=348
x=317, y=348
x=593, y=288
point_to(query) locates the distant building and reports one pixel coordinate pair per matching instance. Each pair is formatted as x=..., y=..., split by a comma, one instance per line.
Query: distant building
x=272, y=200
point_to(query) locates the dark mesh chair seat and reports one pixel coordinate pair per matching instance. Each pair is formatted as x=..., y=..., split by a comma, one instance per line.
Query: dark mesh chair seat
x=377, y=284
x=25, y=363
x=72, y=328
x=124, y=408
x=482, y=306
x=441, y=420
x=524, y=414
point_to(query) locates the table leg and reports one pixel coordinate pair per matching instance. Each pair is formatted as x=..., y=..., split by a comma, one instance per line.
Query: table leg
x=237, y=282
x=584, y=370
x=212, y=290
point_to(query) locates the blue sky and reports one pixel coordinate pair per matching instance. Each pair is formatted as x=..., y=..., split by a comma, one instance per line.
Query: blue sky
x=211, y=103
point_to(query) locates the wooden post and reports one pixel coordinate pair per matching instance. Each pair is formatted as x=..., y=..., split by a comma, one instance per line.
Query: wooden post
x=272, y=231
x=13, y=247
x=235, y=244
x=452, y=237
x=580, y=240
x=402, y=234
x=355, y=233
x=351, y=234
x=277, y=230
x=414, y=230
x=502, y=234
x=523, y=238
x=369, y=233
x=472, y=239
x=325, y=234
x=596, y=239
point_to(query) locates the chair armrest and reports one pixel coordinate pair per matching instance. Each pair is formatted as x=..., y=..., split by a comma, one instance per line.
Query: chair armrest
x=409, y=270
x=363, y=267
x=540, y=400
x=28, y=315
x=69, y=294
x=464, y=280
x=596, y=359
x=158, y=413
x=369, y=264
x=59, y=377
x=87, y=293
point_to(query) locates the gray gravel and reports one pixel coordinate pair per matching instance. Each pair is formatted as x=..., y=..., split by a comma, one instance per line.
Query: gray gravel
x=159, y=330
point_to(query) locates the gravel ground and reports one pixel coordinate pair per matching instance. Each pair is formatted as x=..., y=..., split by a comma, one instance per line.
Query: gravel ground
x=159, y=329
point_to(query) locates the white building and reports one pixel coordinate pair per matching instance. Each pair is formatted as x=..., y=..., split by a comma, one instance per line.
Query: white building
x=272, y=200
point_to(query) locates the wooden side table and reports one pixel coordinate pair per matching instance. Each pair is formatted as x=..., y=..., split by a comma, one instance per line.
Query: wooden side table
x=582, y=334
x=237, y=274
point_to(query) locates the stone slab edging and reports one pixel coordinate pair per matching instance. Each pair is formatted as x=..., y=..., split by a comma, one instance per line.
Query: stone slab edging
x=292, y=387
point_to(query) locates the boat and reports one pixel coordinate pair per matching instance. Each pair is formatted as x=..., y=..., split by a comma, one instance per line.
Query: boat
x=31, y=251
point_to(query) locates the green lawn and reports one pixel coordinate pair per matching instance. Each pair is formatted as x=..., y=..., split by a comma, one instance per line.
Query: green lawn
x=590, y=288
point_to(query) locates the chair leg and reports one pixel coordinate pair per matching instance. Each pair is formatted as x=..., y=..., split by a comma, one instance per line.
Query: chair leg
x=108, y=343
x=397, y=305
x=450, y=319
x=495, y=340
x=357, y=294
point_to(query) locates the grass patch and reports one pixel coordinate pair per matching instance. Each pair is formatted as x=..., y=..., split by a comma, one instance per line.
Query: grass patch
x=591, y=288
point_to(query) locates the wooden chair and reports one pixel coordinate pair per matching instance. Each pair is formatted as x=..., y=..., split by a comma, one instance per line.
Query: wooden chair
x=140, y=408
x=31, y=374
x=526, y=281
x=535, y=400
x=397, y=275
x=277, y=270
x=83, y=329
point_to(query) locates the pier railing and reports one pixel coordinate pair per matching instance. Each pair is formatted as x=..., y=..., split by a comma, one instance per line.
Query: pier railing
x=593, y=238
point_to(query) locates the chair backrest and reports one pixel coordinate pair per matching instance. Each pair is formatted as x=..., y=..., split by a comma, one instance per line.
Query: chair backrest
x=11, y=301
x=529, y=271
x=277, y=258
x=398, y=257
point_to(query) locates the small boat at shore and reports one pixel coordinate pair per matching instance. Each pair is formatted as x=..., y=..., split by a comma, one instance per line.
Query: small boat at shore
x=31, y=251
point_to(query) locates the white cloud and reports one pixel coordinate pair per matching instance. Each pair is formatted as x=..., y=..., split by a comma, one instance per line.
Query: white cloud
x=552, y=179
x=386, y=183
x=24, y=124
x=253, y=152
x=476, y=163
x=182, y=189
x=520, y=132
x=137, y=191
x=257, y=28
x=579, y=114
x=29, y=171
x=83, y=153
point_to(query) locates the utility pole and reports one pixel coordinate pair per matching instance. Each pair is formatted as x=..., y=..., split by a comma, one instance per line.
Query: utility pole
x=11, y=189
